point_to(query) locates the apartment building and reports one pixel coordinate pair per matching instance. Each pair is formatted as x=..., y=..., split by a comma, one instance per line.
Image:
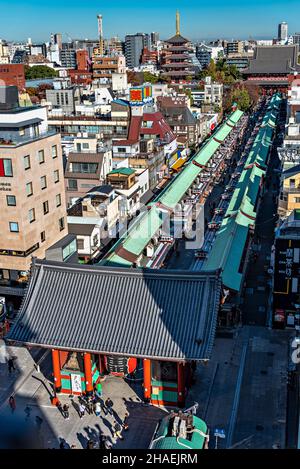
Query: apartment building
x=105, y=66
x=32, y=194
x=87, y=166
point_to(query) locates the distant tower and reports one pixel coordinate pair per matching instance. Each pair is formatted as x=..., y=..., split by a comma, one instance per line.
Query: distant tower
x=283, y=32
x=177, y=23
x=100, y=33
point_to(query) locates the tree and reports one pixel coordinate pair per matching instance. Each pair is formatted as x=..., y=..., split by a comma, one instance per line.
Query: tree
x=39, y=71
x=150, y=78
x=242, y=98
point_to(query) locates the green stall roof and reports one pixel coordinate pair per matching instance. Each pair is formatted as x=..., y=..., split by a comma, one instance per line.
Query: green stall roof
x=228, y=248
x=149, y=223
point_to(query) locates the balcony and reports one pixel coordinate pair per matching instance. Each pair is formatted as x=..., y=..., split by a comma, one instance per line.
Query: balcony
x=291, y=190
x=16, y=142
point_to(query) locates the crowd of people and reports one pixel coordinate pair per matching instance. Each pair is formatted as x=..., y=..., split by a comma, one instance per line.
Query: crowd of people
x=95, y=404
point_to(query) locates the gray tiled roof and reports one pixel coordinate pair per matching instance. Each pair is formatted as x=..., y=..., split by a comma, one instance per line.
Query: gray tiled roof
x=274, y=59
x=136, y=312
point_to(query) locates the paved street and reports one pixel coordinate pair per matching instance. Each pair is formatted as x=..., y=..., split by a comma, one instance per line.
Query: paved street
x=247, y=400
x=32, y=390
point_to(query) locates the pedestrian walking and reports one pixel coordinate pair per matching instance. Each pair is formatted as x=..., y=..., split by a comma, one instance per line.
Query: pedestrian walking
x=12, y=403
x=102, y=439
x=109, y=405
x=27, y=411
x=97, y=409
x=38, y=421
x=117, y=430
x=90, y=444
x=62, y=445
x=107, y=443
x=11, y=365
x=125, y=421
x=81, y=410
x=60, y=408
x=90, y=406
x=66, y=411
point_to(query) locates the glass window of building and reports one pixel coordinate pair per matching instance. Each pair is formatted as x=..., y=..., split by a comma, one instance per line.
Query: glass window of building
x=73, y=184
x=61, y=223
x=14, y=226
x=46, y=207
x=43, y=182
x=11, y=200
x=54, y=151
x=29, y=189
x=58, y=200
x=41, y=155
x=27, y=162
x=31, y=215
x=6, y=167
x=43, y=236
x=56, y=175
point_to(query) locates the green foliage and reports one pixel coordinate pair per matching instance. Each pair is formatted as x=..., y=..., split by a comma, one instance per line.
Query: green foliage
x=242, y=98
x=150, y=78
x=221, y=72
x=39, y=71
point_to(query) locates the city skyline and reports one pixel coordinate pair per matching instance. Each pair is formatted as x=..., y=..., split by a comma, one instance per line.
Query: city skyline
x=80, y=21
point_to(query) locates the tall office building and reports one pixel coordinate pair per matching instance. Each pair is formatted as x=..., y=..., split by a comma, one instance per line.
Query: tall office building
x=296, y=38
x=134, y=45
x=56, y=38
x=154, y=38
x=283, y=32
x=68, y=58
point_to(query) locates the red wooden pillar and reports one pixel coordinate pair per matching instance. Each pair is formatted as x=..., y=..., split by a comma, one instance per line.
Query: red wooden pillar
x=88, y=373
x=147, y=378
x=56, y=370
x=181, y=384
x=101, y=364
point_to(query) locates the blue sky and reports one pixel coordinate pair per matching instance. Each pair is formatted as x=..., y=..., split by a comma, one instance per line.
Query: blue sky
x=200, y=19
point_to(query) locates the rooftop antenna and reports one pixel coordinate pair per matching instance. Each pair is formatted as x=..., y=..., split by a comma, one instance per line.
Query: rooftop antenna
x=100, y=33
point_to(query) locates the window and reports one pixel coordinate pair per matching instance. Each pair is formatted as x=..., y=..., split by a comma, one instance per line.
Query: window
x=85, y=145
x=95, y=240
x=46, y=207
x=56, y=176
x=297, y=200
x=73, y=184
x=69, y=250
x=14, y=226
x=84, y=168
x=80, y=243
x=54, y=151
x=31, y=215
x=43, y=182
x=292, y=182
x=43, y=236
x=11, y=200
x=41, y=155
x=58, y=200
x=61, y=223
x=27, y=162
x=29, y=189
x=5, y=167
